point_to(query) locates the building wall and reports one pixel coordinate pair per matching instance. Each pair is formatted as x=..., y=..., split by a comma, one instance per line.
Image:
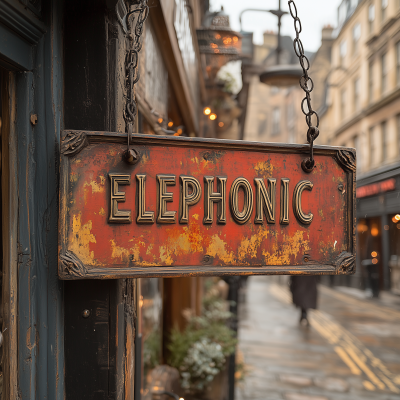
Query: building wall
x=365, y=115
x=274, y=114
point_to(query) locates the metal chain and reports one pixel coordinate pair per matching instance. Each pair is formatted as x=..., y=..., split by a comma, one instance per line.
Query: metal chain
x=307, y=84
x=140, y=9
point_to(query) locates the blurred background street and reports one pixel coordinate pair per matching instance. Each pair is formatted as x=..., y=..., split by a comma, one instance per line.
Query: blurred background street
x=350, y=351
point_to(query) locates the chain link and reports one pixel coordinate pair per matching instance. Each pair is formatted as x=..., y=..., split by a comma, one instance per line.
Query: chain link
x=139, y=11
x=307, y=84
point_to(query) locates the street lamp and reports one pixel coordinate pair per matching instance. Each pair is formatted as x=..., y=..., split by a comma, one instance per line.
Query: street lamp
x=279, y=74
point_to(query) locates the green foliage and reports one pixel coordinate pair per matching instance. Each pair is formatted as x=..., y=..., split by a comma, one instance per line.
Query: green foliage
x=152, y=349
x=200, y=351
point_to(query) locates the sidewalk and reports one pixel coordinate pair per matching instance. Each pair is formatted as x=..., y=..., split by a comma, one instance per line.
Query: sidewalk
x=351, y=351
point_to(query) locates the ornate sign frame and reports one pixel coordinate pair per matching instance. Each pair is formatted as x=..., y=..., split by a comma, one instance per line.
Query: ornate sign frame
x=85, y=148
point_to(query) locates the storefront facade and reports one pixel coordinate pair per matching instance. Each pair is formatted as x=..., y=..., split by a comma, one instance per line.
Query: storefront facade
x=378, y=212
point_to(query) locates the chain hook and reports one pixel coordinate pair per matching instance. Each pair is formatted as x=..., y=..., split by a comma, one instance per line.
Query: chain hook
x=307, y=84
x=131, y=155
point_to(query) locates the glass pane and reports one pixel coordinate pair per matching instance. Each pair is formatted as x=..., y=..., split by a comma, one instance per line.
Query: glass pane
x=151, y=329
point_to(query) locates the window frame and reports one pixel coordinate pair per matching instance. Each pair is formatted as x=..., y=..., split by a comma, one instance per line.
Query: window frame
x=342, y=51
x=384, y=7
x=356, y=94
x=276, y=121
x=356, y=37
x=371, y=85
x=371, y=17
x=343, y=95
x=384, y=73
x=384, y=141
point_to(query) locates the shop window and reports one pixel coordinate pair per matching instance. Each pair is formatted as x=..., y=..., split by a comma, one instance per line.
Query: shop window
x=371, y=17
x=369, y=253
x=384, y=73
x=150, y=326
x=394, y=251
x=156, y=86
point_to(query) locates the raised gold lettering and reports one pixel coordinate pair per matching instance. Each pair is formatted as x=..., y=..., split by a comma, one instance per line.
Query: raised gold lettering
x=305, y=219
x=210, y=198
x=163, y=197
x=265, y=202
x=285, y=201
x=118, y=216
x=143, y=216
x=188, y=199
x=241, y=217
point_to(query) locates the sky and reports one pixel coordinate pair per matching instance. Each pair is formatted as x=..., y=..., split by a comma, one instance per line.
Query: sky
x=314, y=14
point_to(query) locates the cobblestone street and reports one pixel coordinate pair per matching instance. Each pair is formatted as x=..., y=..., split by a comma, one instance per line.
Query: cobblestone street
x=350, y=351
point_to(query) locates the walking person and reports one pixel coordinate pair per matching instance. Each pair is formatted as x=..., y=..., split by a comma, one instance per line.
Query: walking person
x=304, y=294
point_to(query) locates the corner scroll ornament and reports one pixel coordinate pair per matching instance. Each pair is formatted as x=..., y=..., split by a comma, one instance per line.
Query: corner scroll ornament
x=345, y=263
x=347, y=159
x=72, y=265
x=73, y=143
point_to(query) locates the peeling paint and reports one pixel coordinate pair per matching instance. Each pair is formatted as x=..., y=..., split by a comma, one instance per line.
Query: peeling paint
x=217, y=248
x=96, y=187
x=81, y=238
x=264, y=168
x=292, y=245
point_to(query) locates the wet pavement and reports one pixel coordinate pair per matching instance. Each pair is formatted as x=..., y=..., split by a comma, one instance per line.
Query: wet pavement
x=350, y=351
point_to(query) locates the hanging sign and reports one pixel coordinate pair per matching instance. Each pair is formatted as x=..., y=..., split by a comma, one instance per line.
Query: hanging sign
x=192, y=206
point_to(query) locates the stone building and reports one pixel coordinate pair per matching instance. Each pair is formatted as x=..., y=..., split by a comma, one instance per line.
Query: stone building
x=362, y=110
x=274, y=114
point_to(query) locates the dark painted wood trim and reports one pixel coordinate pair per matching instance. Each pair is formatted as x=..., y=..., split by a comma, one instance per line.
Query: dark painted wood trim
x=23, y=22
x=14, y=50
x=9, y=179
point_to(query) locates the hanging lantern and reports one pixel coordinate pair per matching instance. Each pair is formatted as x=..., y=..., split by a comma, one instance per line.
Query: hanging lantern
x=281, y=75
x=218, y=42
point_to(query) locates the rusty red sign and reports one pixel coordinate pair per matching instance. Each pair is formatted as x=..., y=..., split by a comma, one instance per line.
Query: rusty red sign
x=192, y=206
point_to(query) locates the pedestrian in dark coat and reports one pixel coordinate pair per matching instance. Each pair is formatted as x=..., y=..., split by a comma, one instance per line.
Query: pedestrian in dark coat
x=304, y=294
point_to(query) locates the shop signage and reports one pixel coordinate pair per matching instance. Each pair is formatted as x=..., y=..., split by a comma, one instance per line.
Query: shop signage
x=202, y=207
x=376, y=188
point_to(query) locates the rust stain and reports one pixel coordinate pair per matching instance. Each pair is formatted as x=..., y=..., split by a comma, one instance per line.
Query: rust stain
x=292, y=245
x=249, y=246
x=96, y=187
x=264, y=168
x=187, y=242
x=80, y=239
x=217, y=248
